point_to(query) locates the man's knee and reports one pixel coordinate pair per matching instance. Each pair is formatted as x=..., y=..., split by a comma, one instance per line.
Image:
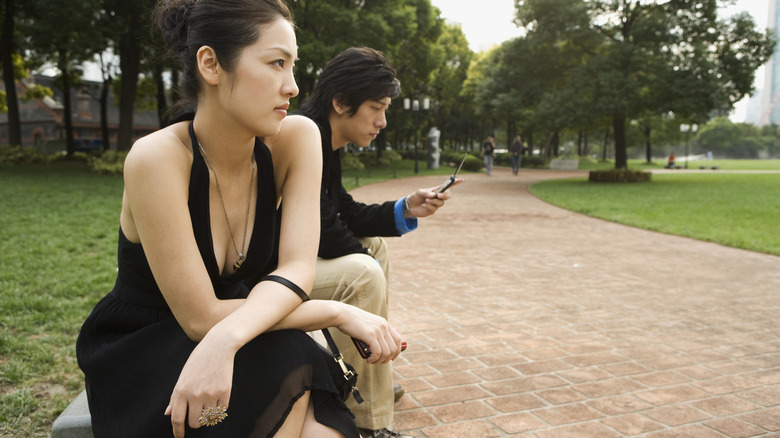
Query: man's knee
x=355, y=279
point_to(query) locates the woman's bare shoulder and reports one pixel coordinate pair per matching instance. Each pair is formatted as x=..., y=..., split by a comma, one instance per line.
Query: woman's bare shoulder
x=296, y=131
x=165, y=148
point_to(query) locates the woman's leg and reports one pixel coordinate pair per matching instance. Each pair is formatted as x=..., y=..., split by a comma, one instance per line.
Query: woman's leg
x=313, y=429
x=293, y=424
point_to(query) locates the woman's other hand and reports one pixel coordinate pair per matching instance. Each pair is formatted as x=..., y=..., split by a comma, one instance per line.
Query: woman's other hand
x=204, y=382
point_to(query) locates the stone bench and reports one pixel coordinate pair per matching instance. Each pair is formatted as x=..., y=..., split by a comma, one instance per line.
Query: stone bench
x=563, y=164
x=74, y=421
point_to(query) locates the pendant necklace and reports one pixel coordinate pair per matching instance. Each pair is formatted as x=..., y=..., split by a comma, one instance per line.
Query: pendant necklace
x=240, y=254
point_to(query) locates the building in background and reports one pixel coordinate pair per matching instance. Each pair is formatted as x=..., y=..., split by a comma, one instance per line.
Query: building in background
x=42, y=119
x=770, y=94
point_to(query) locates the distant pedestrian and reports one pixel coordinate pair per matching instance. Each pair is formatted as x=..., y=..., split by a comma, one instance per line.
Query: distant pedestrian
x=487, y=153
x=516, y=153
x=670, y=163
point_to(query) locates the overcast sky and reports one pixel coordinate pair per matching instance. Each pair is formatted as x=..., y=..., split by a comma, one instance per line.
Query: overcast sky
x=489, y=22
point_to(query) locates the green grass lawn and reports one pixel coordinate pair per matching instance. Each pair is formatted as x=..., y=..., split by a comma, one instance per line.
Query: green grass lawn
x=403, y=169
x=739, y=210
x=589, y=164
x=58, y=233
x=59, y=226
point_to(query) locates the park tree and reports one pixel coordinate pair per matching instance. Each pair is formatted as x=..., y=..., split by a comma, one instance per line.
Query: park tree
x=15, y=69
x=655, y=57
x=129, y=34
x=532, y=83
x=725, y=138
x=453, y=113
x=7, y=51
x=327, y=27
x=405, y=30
x=415, y=55
x=78, y=39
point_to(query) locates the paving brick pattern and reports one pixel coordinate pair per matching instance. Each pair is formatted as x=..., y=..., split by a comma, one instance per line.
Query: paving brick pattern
x=527, y=320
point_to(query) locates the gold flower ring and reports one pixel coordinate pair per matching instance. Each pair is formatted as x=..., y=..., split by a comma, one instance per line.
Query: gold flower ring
x=212, y=416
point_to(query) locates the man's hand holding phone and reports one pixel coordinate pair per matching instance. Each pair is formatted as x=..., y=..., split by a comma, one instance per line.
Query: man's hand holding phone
x=452, y=179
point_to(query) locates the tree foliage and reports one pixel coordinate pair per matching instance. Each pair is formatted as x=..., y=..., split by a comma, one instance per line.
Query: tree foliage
x=78, y=38
x=629, y=59
x=583, y=69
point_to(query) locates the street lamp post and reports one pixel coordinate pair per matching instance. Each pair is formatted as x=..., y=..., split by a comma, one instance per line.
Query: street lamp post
x=687, y=129
x=414, y=106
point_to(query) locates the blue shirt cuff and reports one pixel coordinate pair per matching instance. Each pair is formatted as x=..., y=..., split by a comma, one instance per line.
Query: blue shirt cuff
x=403, y=225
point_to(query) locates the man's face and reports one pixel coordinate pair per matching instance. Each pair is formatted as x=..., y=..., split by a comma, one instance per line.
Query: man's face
x=364, y=126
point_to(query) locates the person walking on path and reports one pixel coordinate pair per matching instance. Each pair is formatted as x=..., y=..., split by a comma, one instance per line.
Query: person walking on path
x=348, y=104
x=488, y=147
x=516, y=153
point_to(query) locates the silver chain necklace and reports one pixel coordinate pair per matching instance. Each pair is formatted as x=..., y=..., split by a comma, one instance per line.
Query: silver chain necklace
x=240, y=254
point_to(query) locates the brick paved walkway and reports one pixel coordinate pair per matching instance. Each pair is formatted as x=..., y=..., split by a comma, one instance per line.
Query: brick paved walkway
x=527, y=320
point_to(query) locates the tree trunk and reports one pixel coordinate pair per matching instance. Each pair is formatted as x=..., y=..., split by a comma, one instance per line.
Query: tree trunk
x=619, y=125
x=12, y=100
x=162, y=103
x=585, y=145
x=648, y=152
x=104, y=90
x=67, y=107
x=129, y=60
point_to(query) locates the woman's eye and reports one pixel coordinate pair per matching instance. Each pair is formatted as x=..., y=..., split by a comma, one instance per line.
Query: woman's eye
x=279, y=62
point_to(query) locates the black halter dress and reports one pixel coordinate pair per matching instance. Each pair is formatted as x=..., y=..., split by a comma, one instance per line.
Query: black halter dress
x=132, y=349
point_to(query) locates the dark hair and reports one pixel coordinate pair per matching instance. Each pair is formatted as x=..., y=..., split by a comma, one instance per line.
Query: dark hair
x=227, y=26
x=354, y=76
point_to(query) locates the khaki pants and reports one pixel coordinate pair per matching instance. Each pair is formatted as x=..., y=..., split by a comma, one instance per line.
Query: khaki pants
x=358, y=279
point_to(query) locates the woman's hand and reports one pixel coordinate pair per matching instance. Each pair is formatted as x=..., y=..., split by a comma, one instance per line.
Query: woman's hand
x=425, y=202
x=204, y=382
x=383, y=340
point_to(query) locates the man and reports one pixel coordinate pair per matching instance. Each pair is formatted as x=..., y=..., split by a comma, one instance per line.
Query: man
x=348, y=105
x=516, y=153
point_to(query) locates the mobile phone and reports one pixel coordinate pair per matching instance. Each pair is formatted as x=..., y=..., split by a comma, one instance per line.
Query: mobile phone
x=452, y=178
x=365, y=352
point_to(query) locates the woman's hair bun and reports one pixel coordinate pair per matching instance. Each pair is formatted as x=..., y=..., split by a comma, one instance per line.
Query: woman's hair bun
x=173, y=20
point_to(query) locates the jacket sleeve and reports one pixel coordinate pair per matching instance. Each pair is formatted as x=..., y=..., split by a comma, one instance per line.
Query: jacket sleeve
x=341, y=226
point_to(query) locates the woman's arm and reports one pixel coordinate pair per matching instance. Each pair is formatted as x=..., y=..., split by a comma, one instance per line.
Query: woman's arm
x=297, y=160
x=155, y=213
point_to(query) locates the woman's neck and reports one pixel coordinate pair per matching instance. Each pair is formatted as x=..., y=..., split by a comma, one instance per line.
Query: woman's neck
x=228, y=145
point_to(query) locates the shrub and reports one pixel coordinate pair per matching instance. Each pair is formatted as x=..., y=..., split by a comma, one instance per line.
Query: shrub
x=619, y=175
x=472, y=163
x=22, y=155
x=351, y=162
x=533, y=161
x=408, y=154
x=386, y=160
x=109, y=162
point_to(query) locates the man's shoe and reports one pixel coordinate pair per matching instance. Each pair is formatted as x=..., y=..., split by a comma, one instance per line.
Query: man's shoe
x=381, y=433
x=398, y=391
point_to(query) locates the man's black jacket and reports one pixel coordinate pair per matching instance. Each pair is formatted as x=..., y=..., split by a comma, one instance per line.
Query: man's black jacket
x=342, y=219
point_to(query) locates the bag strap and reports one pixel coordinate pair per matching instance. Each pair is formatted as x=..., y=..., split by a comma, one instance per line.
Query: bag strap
x=289, y=284
x=348, y=374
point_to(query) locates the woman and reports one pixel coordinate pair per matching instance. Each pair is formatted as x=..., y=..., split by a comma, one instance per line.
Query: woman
x=179, y=335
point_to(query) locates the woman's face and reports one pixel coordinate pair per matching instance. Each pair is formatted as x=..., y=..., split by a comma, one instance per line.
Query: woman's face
x=263, y=84
x=364, y=126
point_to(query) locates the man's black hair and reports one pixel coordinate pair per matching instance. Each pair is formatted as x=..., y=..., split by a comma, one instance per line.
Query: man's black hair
x=354, y=76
